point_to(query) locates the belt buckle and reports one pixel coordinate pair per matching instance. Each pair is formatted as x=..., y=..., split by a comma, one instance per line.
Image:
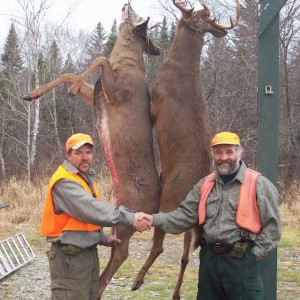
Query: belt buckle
x=217, y=246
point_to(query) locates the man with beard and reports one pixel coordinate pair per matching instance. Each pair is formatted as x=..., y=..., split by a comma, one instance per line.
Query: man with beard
x=72, y=222
x=237, y=211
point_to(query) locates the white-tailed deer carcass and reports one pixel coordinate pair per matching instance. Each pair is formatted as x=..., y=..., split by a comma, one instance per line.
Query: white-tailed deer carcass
x=121, y=101
x=179, y=114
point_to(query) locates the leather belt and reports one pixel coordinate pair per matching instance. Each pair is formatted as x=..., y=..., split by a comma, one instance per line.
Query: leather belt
x=70, y=249
x=221, y=248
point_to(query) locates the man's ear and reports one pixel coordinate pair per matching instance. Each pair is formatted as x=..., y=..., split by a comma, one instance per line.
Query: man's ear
x=240, y=152
x=69, y=153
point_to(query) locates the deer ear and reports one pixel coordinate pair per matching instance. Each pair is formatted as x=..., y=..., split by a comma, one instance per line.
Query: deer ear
x=216, y=32
x=141, y=25
x=151, y=48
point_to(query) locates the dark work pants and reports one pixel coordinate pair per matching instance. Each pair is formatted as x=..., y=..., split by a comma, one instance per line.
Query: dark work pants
x=222, y=277
x=73, y=277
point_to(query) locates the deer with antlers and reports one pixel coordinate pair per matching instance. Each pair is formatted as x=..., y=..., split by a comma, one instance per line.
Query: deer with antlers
x=179, y=115
x=121, y=102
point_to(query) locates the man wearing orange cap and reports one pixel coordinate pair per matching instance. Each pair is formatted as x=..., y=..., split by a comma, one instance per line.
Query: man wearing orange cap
x=237, y=210
x=72, y=220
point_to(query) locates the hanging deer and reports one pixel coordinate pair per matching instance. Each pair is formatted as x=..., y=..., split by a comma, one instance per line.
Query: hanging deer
x=121, y=102
x=180, y=118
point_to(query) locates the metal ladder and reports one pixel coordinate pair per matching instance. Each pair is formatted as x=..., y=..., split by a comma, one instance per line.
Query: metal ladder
x=15, y=252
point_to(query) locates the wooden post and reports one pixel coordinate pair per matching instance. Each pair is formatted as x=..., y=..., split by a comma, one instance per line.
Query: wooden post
x=268, y=108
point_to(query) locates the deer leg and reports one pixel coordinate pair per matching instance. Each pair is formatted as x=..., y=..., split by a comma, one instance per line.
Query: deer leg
x=119, y=254
x=113, y=93
x=184, y=262
x=99, y=62
x=86, y=92
x=156, y=250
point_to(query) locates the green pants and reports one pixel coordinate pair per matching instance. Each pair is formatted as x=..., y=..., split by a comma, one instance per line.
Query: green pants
x=73, y=277
x=224, y=277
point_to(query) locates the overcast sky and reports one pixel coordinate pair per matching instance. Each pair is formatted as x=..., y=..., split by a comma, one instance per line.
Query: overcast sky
x=86, y=13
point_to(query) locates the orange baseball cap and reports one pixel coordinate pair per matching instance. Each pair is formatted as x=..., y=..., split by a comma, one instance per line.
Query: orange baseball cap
x=77, y=140
x=225, y=138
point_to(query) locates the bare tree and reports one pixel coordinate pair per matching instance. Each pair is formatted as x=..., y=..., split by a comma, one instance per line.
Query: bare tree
x=37, y=40
x=230, y=80
x=32, y=16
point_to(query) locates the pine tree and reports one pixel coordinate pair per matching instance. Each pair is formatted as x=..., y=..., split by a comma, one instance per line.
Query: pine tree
x=11, y=65
x=97, y=44
x=42, y=68
x=11, y=58
x=164, y=41
x=69, y=66
x=172, y=33
x=54, y=61
x=163, y=38
x=111, y=40
x=153, y=63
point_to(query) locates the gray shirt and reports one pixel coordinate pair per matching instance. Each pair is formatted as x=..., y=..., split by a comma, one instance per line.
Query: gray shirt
x=220, y=225
x=71, y=198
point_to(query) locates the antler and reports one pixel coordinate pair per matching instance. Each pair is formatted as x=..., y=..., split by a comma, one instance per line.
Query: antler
x=179, y=4
x=220, y=26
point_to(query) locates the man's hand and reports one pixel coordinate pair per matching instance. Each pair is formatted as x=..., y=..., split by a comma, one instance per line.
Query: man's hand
x=146, y=217
x=112, y=239
x=142, y=221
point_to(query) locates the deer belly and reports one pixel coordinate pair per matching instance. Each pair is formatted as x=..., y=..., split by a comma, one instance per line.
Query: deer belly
x=106, y=142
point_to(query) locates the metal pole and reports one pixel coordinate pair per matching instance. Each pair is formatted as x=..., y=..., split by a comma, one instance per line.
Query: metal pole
x=268, y=108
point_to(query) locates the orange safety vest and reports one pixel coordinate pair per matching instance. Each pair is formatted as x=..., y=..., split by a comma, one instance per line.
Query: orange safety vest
x=53, y=224
x=247, y=215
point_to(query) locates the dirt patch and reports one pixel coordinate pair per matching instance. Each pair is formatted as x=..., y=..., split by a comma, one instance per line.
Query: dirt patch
x=33, y=282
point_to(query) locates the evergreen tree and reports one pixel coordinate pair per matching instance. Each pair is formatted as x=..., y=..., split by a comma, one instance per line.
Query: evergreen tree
x=153, y=63
x=42, y=68
x=54, y=60
x=11, y=65
x=111, y=40
x=172, y=33
x=11, y=58
x=164, y=41
x=69, y=66
x=163, y=38
x=97, y=44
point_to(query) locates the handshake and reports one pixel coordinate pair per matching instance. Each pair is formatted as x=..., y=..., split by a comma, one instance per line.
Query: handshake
x=142, y=221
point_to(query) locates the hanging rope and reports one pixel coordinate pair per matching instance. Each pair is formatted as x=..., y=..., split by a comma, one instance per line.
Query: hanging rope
x=129, y=14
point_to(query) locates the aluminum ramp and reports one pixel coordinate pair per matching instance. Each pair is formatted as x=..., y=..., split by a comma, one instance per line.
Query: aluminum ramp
x=15, y=252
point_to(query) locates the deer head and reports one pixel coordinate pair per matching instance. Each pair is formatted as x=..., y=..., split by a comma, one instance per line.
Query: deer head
x=140, y=25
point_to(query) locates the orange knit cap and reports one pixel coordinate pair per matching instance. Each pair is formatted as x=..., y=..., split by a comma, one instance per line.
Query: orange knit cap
x=77, y=140
x=225, y=138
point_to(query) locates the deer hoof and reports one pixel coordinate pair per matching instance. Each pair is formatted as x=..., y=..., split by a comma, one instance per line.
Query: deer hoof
x=176, y=297
x=27, y=98
x=137, y=284
x=71, y=95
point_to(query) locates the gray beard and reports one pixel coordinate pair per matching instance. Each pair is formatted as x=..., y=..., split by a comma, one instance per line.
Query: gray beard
x=226, y=171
